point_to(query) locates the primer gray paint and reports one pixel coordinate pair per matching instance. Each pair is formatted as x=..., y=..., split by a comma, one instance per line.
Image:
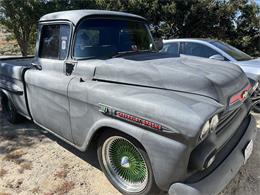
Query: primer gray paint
x=180, y=94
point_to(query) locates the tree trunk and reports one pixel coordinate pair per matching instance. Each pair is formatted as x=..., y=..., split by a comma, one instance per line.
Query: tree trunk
x=23, y=44
x=24, y=51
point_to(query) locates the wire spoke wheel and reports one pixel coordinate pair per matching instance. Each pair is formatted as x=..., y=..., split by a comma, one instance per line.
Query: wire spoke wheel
x=125, y=164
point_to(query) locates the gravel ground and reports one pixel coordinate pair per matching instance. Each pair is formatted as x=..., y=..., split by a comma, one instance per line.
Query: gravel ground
x=35, y=162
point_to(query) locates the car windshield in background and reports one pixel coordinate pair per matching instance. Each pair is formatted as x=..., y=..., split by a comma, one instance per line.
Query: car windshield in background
x=232, y=51
x=105, y=38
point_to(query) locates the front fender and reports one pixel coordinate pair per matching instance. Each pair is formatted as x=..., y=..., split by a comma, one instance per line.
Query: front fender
x=165, y=154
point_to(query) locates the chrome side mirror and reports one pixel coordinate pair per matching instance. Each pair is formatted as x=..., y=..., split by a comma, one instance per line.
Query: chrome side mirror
x=217, y=57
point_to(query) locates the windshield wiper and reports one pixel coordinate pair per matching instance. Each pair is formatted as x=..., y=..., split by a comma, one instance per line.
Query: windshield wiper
x=123, y=53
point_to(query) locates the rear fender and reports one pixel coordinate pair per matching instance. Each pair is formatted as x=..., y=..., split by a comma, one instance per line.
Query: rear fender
x=10, y=86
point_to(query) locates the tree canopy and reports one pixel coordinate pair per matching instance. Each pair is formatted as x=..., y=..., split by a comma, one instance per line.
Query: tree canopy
x=234, y=21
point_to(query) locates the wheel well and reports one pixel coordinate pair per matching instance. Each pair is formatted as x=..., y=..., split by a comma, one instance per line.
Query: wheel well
x=3, y=97
x=94, y=140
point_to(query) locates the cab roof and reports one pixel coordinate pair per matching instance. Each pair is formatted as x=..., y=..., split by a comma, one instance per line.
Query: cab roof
x=75, y=16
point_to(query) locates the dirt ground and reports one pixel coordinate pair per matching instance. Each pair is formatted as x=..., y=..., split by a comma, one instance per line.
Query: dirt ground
x=35, y=162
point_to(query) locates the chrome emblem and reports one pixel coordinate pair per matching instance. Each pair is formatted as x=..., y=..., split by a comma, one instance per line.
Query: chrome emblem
x=125, y=162
x=244, y=94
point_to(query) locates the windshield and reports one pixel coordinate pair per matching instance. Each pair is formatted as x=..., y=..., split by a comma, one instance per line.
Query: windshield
x=105, y=38
x=232, y=51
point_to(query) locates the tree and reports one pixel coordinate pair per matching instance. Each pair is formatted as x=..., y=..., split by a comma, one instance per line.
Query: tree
x=155, y=11
x=248, y=28
x=20, y=17
x=233, y=21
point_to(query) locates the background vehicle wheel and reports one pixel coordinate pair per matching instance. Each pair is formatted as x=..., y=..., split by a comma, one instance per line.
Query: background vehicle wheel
x=9, y=110
x=256, y=108
x=126, y=164
x=256, y=95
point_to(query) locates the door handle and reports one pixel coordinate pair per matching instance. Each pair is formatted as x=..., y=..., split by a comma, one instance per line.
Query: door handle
x=70, y=67
x=36, y=66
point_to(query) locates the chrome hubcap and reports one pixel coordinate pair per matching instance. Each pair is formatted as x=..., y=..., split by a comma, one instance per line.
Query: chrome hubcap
x=125, y=162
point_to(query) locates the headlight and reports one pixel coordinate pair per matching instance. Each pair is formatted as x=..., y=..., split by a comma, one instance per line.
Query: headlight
x=205, y=130
x=214, y=122
x=209, y=125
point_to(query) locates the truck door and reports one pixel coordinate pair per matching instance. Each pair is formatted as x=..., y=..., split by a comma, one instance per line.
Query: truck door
x=47, y=83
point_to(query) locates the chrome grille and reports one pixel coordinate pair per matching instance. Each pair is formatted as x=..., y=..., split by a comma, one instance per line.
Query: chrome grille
x=226, y=118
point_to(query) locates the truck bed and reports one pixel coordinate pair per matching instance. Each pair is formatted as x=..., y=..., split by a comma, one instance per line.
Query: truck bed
x=17, y=60
x=11, y=80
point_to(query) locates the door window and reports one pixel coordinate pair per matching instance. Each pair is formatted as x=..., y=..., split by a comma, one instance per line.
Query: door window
x=54, y=41
x=197, y=49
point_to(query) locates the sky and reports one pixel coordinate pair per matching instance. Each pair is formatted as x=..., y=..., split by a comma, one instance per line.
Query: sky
x=258, y=1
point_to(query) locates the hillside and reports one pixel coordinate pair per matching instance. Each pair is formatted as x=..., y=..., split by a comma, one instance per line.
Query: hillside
x=7, y=47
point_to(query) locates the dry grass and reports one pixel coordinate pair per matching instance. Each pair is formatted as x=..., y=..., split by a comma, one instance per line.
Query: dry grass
x=15, y=184
x=64, y=188
x=62, y=174
x=25, y=166
x=19, y=183
x=36, y=190
x=3, y=172
x=15, y=156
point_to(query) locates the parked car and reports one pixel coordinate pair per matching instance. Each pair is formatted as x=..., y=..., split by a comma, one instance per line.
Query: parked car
x=158, y=123
x=218, y=50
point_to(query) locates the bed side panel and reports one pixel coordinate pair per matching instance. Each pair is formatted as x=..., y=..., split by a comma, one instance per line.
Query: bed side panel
x=11, y=83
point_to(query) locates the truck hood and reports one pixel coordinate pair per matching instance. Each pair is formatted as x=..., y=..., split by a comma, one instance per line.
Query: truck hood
x=210, y=78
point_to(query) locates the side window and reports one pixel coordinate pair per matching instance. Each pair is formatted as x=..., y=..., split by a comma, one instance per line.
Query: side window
x=54, y=41
x=197, y=49
x=171, y=48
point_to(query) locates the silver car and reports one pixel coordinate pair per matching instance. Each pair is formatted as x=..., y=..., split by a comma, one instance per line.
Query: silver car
x=214, y=49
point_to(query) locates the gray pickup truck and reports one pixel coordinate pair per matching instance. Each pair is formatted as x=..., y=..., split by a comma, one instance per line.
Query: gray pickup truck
x=158, y=123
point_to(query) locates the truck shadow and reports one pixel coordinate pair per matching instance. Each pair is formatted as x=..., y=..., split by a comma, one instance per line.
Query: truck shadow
x=27, y=134
x=90, y=156
x=14, y=137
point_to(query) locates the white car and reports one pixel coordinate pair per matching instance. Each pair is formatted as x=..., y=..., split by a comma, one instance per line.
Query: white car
x=213, y=49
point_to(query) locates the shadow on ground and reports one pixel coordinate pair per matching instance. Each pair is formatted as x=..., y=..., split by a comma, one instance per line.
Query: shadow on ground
x=27, y=134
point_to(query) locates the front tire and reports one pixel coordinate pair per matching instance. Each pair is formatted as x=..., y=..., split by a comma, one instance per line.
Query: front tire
x=126, y=164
